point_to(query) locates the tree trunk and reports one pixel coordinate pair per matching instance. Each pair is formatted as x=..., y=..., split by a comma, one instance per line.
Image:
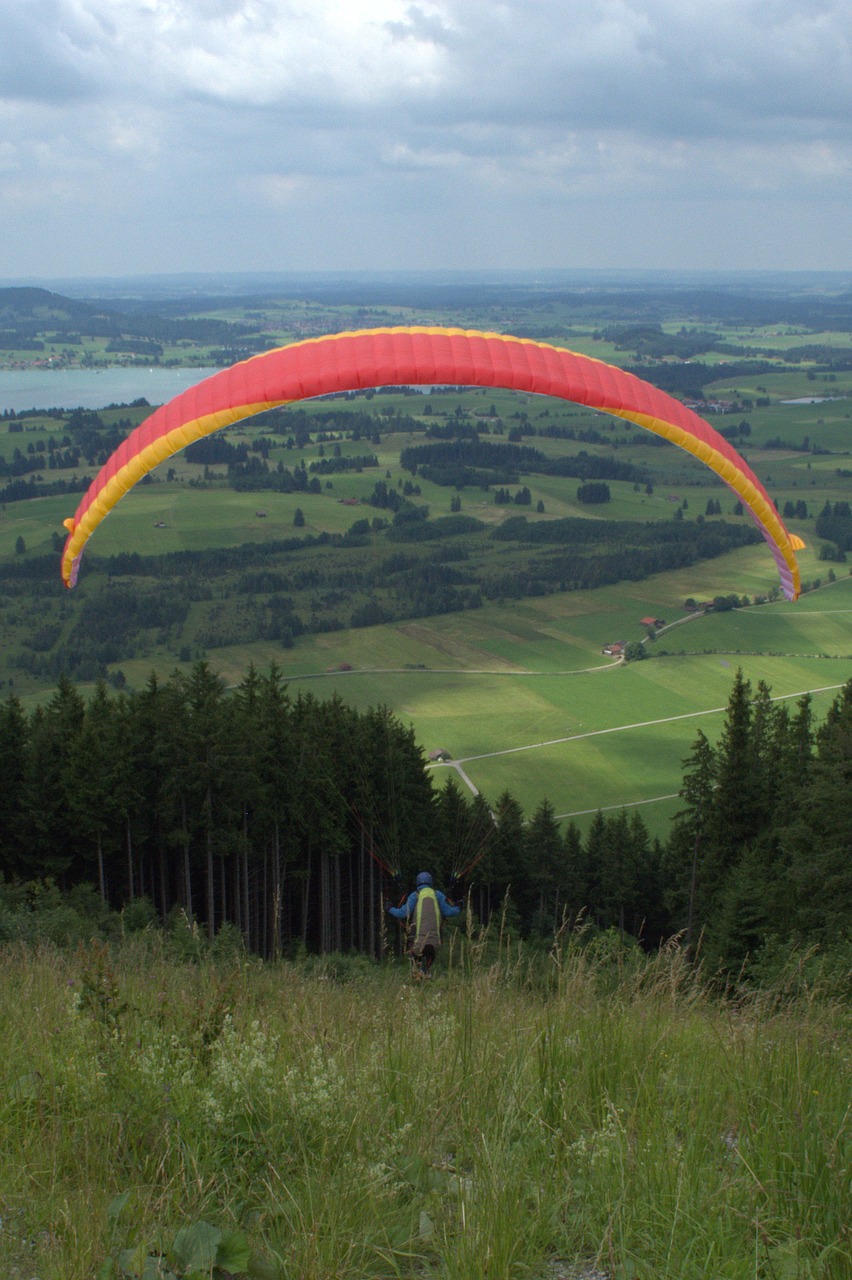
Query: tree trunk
x=101, y=877
x=186, y=868
x=325, y=893
x=164, y=896
x=246, y=913
x=211, y=895
x=306, y=889
x=361, y=887
x=374, y=941
x=129, y=840
x=276, y=892
x=223, y=888
x=264, y=903
x=235, y=892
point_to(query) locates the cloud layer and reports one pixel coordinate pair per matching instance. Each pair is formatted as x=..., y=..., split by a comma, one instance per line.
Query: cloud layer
x=163, y=135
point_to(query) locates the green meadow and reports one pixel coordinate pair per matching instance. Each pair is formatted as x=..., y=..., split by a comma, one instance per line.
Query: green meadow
x=585, y=740
x=524, y=700
x=172, y=1112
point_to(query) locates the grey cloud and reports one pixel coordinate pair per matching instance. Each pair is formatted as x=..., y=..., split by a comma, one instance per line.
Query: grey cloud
x=658, y=65
x=419, y=25
x=321, y=116
x=34, y=58
x=683, y=67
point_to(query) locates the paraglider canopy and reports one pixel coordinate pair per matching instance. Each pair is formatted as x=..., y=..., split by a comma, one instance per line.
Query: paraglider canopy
x=418, y=356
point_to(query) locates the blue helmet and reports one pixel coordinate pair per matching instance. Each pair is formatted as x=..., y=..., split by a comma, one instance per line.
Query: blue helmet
x=423, y=879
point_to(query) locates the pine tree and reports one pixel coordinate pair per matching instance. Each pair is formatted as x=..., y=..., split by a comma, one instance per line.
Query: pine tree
x=272, y=798
x=91, y=781
x=504, y=867
x=686, y=866
x=648, y=919
x=151, y=715
x=574, y=886
x=543, y=856
x=741, y=921
x=733, y=818
x=53, y=731
x=618, y=874
x=14, y=807
x=454, y=828
x=819, y=876
x=595, y=856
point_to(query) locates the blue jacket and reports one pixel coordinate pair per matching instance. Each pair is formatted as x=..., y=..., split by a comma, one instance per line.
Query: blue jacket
x=407, y=911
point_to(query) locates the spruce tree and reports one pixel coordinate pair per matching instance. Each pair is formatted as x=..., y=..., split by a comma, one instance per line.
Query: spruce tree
x=574, y=885
x=544, y=850
x=687, y=864
x=733, y=818
x=505, y=867
x=14, y=801
x=92, y=781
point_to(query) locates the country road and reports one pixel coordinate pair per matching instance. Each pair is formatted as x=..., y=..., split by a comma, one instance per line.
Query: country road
x=594, y=733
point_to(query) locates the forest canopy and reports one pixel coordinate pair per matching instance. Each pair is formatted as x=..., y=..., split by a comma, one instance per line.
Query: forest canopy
x=294, y=821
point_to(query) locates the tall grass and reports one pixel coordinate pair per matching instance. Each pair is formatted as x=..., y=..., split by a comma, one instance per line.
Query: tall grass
x=513, y=1117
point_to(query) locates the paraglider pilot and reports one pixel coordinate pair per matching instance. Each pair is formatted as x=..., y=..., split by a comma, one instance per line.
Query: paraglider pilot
x=423, y=911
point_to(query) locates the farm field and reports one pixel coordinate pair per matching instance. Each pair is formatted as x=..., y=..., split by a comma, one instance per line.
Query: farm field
x=585, y=741
x=524, y=700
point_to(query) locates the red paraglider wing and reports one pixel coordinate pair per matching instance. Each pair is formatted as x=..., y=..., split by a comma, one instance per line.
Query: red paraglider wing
x=418, y=356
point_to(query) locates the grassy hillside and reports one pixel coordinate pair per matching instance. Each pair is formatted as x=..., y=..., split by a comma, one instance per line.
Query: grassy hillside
x=584, y=1114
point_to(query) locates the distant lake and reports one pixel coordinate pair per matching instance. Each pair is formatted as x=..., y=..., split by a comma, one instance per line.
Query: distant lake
x=91, y=388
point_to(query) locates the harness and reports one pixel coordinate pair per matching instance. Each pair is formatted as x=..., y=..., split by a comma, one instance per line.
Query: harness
x=427, y=914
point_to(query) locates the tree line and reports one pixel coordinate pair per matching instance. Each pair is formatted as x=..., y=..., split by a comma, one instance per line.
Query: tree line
x=472, y=461
x=131, y=602
x=296, y=821
x=277, y=815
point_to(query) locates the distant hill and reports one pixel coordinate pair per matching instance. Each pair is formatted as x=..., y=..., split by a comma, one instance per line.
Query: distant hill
x=25, y=305
x=28, y=314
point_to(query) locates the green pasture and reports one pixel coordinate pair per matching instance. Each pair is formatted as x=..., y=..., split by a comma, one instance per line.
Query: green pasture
x=36, y=429
x=36, y=521
x=92, y=353
x=827, y=425
x=604, y=773
x=819, y=624
x=196, y=519
x=172, y=515
x=785, y=381
x=584, y=740
x=556, y=633
x=782, y=340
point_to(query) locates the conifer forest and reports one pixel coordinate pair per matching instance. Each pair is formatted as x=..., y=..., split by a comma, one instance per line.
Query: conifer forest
x=296, y=822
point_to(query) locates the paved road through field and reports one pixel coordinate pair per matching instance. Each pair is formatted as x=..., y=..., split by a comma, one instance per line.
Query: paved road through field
x=594, y=733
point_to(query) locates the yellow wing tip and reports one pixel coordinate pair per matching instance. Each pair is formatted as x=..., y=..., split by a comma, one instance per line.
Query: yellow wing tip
x=796, y=542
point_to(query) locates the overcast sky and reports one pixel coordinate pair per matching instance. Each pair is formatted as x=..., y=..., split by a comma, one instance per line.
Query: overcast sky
x=147, y=136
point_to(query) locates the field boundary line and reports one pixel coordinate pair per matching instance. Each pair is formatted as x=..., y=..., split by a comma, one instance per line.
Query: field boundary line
x=625, y=804
x=623, y=728
x=451, y=671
